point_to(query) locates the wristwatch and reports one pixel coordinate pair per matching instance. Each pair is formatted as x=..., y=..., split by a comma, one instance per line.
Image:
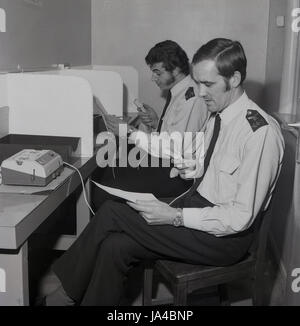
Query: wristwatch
x=178, y=219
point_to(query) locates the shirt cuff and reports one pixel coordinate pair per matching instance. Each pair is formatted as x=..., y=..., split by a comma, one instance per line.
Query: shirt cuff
x=192, y=218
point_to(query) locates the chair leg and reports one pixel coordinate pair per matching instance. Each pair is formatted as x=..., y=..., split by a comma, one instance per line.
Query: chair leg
x=258, y=296
x=223, y=292
x=180, y=294
x=147, y=290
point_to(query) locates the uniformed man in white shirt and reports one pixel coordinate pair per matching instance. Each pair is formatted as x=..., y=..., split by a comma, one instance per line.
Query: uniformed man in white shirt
x=211, y=224
x=184, y=112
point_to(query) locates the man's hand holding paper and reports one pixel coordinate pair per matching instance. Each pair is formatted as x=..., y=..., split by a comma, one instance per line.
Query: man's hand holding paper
x=155, y=212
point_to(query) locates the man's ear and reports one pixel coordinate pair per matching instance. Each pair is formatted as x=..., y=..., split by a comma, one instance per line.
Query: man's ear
x=176, y=71
x=235, y=80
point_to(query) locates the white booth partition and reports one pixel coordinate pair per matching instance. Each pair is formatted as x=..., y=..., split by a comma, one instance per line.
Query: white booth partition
x=107, y=87
x=59, y=103
x=3, y=106
x=130, y=79
x=51, y=105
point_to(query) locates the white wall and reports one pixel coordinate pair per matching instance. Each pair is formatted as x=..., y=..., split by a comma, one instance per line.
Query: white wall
x=57, y=32
x=291, y=65
x=276, y=42
x=123, y=31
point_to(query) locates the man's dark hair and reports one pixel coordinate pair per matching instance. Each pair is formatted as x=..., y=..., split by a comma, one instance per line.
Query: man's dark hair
x=171, y=55
x=228, y=55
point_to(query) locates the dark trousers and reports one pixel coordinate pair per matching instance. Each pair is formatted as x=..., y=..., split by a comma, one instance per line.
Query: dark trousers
x=142, y=179
x=94, y=270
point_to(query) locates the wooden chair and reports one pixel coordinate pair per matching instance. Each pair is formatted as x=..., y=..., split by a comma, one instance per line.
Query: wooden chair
x=186, y=278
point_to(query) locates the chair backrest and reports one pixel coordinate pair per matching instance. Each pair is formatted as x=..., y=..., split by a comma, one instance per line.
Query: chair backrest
x=262, y=226
x=262, y=223
x=261, y=237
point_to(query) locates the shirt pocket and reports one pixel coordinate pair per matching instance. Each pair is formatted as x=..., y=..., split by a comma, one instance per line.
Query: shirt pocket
x=178, y=115
x=229, y=164
x=227, y=177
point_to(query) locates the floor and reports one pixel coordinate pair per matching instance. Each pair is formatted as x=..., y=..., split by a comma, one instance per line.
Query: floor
x=42, y=282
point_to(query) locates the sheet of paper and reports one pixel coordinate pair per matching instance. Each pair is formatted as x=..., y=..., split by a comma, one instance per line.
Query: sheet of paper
x=100, y=108
x=296, y=124
x=127, y=195
x=132, y=119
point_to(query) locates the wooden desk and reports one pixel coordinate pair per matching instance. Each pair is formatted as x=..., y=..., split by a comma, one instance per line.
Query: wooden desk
x=20, y=216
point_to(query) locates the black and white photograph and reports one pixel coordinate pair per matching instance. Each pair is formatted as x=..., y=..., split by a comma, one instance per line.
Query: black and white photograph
x=149, y=156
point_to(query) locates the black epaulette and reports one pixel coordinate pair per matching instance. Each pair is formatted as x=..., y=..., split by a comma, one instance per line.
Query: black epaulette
x=189, y=93
x=256, y=120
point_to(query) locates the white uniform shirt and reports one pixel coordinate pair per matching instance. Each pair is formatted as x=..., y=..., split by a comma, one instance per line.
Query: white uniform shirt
x=186, y=112
x=242, y=172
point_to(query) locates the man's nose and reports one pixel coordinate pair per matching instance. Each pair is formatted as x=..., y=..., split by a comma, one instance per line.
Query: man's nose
x=202, y=90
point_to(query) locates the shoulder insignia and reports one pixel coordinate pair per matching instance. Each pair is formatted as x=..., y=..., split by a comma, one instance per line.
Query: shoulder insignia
x=189, y=93
x=256, y=120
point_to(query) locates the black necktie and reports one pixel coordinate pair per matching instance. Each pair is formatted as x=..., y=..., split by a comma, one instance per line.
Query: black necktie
x=208, y=155
x=169, y=96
